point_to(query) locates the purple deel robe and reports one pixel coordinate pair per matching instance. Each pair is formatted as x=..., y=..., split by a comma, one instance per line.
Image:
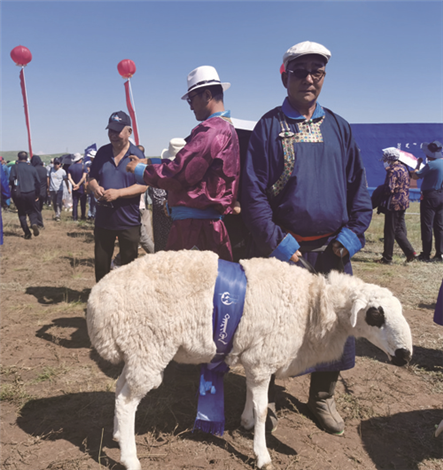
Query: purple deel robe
x=204, y=175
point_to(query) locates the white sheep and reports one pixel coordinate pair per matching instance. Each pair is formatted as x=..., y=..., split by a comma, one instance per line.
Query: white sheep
x=159, y=308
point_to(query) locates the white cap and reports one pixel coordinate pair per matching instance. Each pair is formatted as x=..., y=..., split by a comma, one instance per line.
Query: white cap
x=305, y=48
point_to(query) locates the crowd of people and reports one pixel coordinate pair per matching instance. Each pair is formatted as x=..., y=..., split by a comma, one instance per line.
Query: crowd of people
x=298, y=152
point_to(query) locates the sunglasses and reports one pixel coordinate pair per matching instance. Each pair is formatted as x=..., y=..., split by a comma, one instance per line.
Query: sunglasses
x=190, y=98
x=301, y=74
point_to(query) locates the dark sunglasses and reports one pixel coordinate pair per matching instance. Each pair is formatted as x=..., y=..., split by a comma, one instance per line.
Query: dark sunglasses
x=190, y=98
x=301, y=74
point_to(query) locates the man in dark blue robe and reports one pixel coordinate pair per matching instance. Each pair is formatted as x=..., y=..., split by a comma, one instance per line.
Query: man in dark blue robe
x=304, y=194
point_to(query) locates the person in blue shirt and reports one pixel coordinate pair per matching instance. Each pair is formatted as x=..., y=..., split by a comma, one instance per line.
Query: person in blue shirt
x=77, y=173
x=118, y=196
x=431, y=203
x=304, y=194
x=5, y=194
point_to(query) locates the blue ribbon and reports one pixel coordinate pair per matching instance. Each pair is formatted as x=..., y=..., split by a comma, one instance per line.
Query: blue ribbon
x=229, y=298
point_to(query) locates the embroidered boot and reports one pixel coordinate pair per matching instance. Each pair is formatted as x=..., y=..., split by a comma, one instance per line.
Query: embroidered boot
x=321, y=402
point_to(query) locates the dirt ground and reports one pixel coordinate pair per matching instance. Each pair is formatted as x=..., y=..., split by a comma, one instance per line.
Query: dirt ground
x=57, y=394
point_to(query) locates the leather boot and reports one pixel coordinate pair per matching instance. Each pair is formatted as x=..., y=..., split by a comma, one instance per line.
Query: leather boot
x=322, y=404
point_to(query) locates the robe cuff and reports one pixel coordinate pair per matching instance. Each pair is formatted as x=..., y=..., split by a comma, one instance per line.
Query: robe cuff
x=139, y=172
x=350, y=241
x=287, y=247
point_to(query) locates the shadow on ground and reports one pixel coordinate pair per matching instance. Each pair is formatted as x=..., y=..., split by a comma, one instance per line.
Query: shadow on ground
x=49, y=295
x=171, y=409
x=426, y=358
x=384, y=438
x=77, y=339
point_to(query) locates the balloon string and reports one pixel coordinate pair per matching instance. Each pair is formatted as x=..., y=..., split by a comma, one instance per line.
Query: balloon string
x=135, y=113
x=25, y=103
x=131, y=109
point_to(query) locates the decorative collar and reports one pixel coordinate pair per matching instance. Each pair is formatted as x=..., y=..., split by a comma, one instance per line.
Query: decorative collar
x=226, y=113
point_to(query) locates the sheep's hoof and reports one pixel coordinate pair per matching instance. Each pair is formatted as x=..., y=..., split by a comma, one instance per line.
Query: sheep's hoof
x=131, y=464
x=267, y=466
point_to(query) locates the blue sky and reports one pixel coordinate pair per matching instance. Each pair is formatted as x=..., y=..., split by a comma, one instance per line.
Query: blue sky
x=386, y=64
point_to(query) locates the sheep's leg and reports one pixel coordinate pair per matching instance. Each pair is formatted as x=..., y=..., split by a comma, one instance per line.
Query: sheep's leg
x=125, y=408
x=118, y=388
x=259, y=392
x=247, y=417
x=126, y=404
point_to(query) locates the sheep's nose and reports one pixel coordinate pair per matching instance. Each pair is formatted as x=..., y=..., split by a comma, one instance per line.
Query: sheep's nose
x=402, y=357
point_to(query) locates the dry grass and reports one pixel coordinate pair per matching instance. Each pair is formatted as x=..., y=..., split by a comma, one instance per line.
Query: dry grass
x=57, y=394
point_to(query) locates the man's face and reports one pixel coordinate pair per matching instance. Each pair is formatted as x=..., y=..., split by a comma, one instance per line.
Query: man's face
x=303, y=92
x=120, y=138
x=199, y=104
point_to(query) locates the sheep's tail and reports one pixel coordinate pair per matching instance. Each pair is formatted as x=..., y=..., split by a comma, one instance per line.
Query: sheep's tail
x=101, y=337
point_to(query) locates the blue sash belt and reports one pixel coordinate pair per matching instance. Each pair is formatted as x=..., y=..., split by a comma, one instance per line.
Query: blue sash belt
x=229, y=298
x=182, y=212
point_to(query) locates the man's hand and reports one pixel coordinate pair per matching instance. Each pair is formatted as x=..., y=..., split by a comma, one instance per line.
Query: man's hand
x=110, y=195
x=338, y=249
x=98, y=192
x=296, y=256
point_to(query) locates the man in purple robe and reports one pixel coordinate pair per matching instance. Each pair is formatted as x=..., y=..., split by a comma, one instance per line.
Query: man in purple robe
x=202, y=180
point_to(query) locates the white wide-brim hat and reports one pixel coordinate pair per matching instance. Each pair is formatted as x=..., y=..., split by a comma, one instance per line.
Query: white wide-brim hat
x=204, y=76
x=305, y=48
x=175, y=145
x=432, y=149
x=77, y=157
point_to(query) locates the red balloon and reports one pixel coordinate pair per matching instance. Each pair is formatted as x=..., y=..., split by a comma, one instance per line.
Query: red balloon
x=282, y=68
x=21, y=55
x=126, y=68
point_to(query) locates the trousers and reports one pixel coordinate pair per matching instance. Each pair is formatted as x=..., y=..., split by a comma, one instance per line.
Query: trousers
x=395, y=231
x=128, y=240
x=431, y=219
x=26, y=208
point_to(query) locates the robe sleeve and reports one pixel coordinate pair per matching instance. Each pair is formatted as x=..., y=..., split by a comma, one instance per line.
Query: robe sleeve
x=191, y=163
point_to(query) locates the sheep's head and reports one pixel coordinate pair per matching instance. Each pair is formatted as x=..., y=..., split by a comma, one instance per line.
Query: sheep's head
x=377, y=316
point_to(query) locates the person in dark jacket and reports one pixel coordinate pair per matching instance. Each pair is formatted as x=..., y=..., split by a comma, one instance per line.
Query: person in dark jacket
x=396, y=190
x=37, y=163
x=25, y=184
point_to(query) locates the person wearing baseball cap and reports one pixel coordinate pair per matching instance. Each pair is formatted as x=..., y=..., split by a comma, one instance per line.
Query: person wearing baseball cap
x=304, y=195
x=118, y=196
x=431, y=202
x=202, y=180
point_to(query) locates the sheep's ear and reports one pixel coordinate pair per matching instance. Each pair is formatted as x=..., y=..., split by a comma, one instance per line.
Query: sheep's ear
x=356, y=307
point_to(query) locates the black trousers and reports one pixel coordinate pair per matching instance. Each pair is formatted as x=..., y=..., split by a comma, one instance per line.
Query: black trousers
x=38, y=208
x=128, y=241
x=395, y=231
x=26, y=207
x=431, y=219
x=76, y=197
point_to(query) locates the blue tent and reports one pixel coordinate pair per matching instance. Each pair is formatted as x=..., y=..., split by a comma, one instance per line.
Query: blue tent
x=372, y=138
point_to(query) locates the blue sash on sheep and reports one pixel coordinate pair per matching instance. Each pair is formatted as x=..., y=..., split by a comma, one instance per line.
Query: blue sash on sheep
x=229, y=298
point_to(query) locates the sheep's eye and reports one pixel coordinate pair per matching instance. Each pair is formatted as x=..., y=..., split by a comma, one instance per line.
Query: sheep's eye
x=375, y=317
